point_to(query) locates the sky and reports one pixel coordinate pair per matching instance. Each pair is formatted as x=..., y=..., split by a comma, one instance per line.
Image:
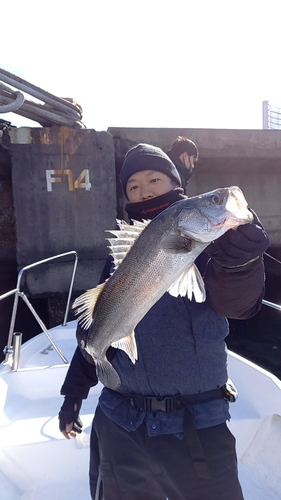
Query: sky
x=156, y=63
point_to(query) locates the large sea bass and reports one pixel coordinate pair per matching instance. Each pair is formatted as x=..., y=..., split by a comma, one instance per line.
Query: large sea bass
x=151, y=259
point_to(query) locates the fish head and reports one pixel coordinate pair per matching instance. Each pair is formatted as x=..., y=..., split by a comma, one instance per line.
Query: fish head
x=210, y=215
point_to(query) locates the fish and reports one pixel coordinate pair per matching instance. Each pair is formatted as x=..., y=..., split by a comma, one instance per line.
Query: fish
x=150, y=259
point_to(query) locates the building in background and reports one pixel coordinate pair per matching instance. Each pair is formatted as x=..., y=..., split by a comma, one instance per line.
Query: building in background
x=271, y=117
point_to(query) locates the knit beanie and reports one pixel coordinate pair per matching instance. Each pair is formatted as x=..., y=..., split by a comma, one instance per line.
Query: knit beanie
x=147, y=157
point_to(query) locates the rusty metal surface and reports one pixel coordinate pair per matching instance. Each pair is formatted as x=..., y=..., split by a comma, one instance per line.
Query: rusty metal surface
x=7, y=213
x=65, y=197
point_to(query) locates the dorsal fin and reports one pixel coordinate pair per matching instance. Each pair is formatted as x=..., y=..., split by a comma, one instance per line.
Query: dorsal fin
x=143, y=223
x=85, y=305
x=125, y=239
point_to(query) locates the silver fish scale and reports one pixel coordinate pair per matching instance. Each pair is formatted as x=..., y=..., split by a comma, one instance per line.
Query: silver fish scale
x=142, y=278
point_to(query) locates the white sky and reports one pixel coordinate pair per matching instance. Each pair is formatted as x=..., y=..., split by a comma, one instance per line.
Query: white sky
x=157, y=63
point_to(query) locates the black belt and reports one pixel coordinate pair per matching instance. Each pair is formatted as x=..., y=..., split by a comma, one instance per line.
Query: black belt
x=153, y=404
x=171, y=403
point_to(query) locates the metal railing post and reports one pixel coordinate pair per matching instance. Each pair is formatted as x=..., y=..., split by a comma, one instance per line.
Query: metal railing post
x=12, y=324
x=17, y=339
x=70, y=290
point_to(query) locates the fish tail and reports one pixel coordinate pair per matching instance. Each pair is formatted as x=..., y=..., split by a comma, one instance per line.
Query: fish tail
x=107, y=375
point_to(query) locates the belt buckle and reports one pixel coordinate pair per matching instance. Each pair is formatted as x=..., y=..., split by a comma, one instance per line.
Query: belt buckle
x=169, y=403
x=154, y=404
x=148, y=403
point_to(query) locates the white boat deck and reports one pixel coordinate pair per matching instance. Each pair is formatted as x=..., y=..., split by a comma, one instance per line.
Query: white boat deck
x=37, y=463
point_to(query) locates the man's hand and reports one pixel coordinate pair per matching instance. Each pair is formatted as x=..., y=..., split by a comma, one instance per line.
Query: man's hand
x=237, y=248
x=69, y=420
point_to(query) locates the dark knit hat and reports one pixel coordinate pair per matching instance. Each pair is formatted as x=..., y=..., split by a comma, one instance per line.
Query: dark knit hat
x=147, y=157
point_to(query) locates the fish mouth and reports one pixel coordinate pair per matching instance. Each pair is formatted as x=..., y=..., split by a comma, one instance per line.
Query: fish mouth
x=219, y=210
x=235, y=213
x=238, y=207
x=219, y=223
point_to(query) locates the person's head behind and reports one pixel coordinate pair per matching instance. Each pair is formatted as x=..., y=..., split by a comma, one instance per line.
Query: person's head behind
x=147, y=172
x=187, y=151
x=183, y=145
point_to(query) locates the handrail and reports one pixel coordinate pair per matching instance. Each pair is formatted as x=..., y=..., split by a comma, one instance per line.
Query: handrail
x=271, y=304
x=18, y=293
x=9, y=348
x=7, y=294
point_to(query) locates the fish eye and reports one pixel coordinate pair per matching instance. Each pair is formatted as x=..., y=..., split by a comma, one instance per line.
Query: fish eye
x=216, y=199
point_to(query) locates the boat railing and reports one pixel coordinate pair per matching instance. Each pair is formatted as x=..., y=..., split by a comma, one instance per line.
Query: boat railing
x=266, y=302
x=12, y=347
x=271, y=304
x=14, y=339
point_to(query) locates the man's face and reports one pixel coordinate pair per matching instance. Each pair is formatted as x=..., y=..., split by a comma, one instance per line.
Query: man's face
x=188, y=161
x=148, y=184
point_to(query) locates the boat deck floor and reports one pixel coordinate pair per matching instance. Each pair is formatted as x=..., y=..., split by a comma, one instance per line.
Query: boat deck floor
x=37, y=463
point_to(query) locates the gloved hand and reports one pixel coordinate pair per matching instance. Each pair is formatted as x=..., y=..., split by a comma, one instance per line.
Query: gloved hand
x=69, y=414
x=239, y=247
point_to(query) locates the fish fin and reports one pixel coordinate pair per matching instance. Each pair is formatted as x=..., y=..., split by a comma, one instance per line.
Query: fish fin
x=125, y=239
x=176, y=243
x=128, y=344
x=136, y=226
x=141, y=224
x=119, y=252
x=107, y=375
x=179, y=287
x=190, y=281
x=85, y=305
x=196, y=284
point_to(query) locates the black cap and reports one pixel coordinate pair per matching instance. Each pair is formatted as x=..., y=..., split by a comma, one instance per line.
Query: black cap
x=147, y=157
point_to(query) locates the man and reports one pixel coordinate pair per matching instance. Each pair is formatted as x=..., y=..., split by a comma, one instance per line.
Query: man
x=163, y=433
x=184, y=154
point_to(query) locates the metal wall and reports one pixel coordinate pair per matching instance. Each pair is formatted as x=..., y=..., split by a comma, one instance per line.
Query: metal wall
x=7, y=215
x=64, y=190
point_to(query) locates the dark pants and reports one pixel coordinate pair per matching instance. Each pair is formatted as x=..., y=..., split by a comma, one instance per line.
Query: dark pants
x=134, y=466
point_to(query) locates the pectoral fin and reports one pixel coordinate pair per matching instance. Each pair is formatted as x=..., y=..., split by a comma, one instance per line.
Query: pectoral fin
x=196, y=285
x=190, y=281
x=176, y=243
x=128, y=344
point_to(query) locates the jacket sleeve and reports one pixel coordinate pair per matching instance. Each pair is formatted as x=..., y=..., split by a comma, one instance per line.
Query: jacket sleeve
x=235, y=278
x=235, y=293
x=81, y=375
